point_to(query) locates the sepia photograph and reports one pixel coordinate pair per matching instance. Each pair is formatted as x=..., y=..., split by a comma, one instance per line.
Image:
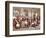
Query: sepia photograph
x=24, y=18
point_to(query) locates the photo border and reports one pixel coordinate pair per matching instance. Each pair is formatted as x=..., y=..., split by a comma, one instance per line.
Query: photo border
x=7, y=18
